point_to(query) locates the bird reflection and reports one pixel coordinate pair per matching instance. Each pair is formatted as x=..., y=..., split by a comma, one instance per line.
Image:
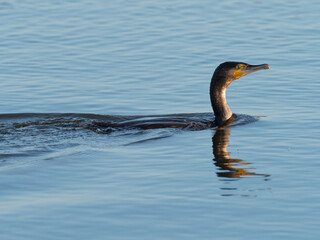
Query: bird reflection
x=228, y=167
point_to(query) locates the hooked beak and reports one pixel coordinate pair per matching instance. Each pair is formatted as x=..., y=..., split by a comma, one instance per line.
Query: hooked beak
x=255, y=68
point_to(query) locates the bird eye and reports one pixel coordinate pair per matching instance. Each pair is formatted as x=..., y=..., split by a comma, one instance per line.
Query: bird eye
x=238, y=67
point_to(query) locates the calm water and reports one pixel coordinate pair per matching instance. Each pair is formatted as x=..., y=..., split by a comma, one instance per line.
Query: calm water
x=113, y=59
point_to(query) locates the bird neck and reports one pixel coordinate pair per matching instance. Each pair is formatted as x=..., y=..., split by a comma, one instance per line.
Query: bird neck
x=219, y=103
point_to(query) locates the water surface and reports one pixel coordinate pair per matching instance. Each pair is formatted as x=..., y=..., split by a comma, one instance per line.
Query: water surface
x=70, y=63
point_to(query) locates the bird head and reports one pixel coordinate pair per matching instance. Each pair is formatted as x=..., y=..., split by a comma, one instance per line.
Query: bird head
x=230, y=71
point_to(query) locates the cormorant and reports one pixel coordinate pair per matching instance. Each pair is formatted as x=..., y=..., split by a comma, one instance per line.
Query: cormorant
x=224, y=74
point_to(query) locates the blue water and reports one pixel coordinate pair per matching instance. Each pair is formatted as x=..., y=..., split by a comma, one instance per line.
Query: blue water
x=108, y=60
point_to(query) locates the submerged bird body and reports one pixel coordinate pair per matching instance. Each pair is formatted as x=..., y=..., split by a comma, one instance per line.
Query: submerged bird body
x=222, y=77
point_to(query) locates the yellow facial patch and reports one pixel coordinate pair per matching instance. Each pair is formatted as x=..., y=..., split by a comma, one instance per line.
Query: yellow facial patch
x=238, y=72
